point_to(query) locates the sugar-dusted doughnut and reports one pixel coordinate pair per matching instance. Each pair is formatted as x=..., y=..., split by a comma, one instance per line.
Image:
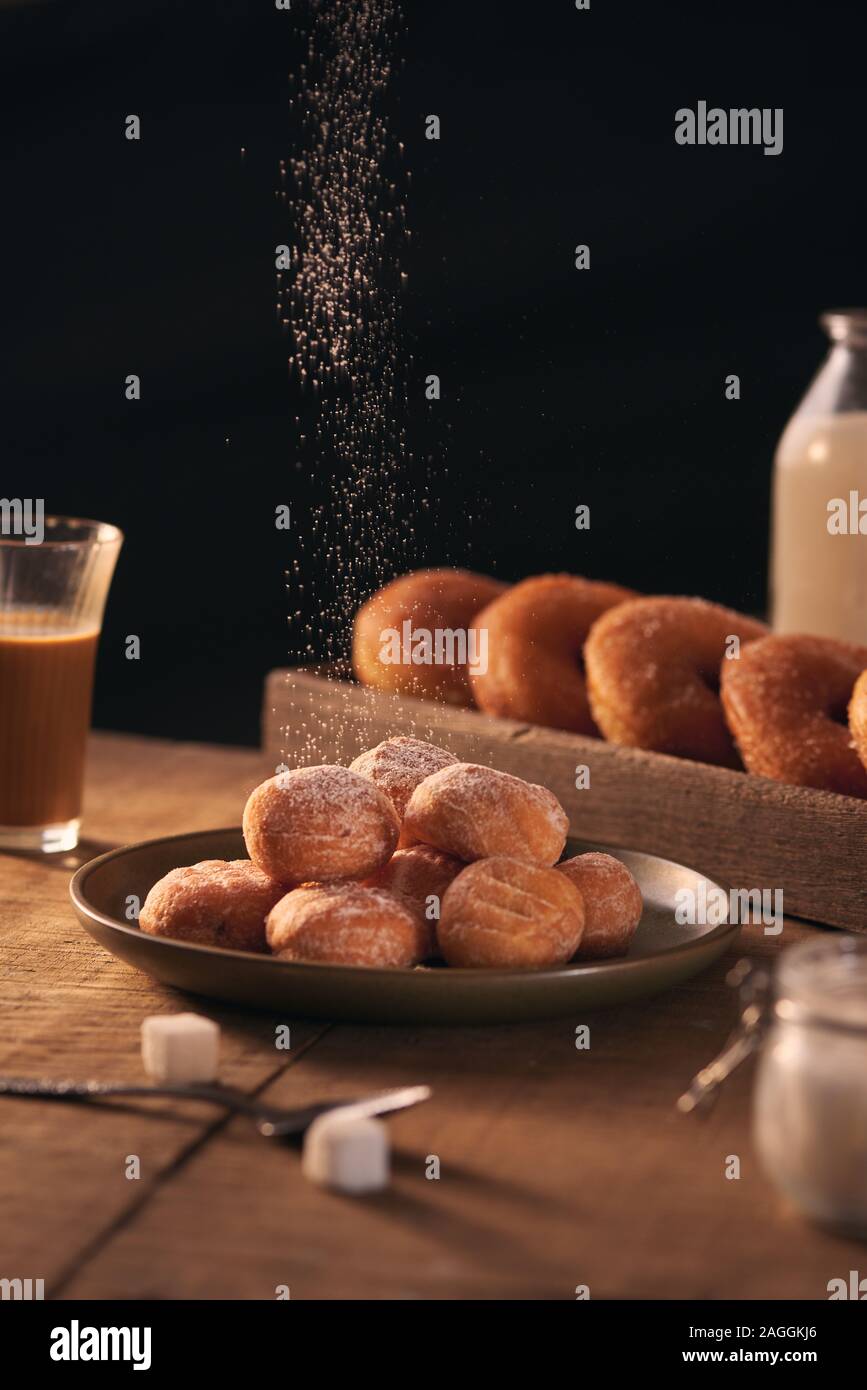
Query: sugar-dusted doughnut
x=786, y=701
x=344, y=924
x=535, y=639
x=858, y=717
x=397, y=766
x=419, y=877
x=411, y=638
x=476, y=812
x=653, y=673
x=612, y=903
x=502, y=913
x=219, y=902
x=318, y=823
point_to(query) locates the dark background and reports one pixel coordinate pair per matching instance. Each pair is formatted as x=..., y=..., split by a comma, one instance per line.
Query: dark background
x=560, y=387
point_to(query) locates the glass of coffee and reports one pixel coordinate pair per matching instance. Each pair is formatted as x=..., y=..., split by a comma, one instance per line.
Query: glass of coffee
x=55, y=574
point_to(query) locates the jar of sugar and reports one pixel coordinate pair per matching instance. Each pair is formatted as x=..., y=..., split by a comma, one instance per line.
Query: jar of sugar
x=809, y=1025
x=810, y=1098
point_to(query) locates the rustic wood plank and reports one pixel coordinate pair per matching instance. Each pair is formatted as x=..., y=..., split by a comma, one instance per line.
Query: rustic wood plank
x=745, y=831
x=69, y=1009
x=558, y=1168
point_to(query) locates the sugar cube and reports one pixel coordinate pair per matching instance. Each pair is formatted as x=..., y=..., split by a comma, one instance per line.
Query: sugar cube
x=180, y=1047
x=349, y=1153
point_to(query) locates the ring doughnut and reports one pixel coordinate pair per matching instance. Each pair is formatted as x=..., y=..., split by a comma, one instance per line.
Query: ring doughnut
x=397, y=766
x=612, y=903
x=436, y=601
x=219, y=902
x=476, y=812
x=318, y=823
x=503, y=913
x=858, y=717
x=786, y=701
x=343, y=924
x=535, y=638
x=653, y=673
x=419, y=877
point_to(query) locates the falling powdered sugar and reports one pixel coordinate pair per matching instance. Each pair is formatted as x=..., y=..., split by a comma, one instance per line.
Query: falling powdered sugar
x=339, y=300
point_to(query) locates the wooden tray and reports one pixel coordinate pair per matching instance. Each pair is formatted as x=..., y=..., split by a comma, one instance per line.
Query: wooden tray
x=745, y=831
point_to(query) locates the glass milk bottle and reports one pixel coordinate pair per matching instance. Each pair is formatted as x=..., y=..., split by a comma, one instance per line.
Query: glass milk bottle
x=819, y=538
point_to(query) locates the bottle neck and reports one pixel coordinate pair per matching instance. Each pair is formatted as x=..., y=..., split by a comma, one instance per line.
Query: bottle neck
x=846, y=328
x=840, y=385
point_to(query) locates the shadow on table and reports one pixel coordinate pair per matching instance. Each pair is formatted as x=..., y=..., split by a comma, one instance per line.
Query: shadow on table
x=451, y=1228
x=485, y=1184
x=69, y=861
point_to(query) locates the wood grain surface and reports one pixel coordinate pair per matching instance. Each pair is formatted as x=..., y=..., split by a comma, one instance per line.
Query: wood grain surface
x=744, y=831
x=558, y=1167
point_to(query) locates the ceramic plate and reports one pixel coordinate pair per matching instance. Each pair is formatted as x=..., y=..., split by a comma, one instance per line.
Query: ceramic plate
x=663, y=951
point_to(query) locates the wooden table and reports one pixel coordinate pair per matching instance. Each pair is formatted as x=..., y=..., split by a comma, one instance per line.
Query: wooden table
x=558, y=1167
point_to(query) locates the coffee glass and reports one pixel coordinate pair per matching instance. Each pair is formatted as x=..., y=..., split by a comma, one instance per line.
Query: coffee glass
x=55, y=574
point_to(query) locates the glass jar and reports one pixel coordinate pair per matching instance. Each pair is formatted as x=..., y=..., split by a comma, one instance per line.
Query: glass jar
x=810, y=1098
x=819, y=532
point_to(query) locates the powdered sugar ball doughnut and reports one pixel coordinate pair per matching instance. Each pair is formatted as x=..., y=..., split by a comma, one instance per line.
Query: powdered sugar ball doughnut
x=503, y=913
x=858, y=717
x=786, y=702
x=476, y=812
x=419, y=877
x=344, y=924
x=425, y=607
x=612, y=903
x=398, y=765
x=318, y=823
x=535, y=636
x=218, y=902
x=653, y=674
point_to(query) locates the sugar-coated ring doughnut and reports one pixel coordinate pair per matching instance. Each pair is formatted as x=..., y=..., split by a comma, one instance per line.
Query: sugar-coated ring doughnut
x=397, y=766
x=419, y=877
x=343, y=924
x=502, y=913
x=786, y=702
x=317, y=823
x=653, y=672
x=219, y=902
x=436, y=601
x=858, y=717
x=535, y=640
x=612, y=903
x=476, y=812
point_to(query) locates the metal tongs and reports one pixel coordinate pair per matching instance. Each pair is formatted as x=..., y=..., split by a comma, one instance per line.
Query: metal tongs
x=753, y=985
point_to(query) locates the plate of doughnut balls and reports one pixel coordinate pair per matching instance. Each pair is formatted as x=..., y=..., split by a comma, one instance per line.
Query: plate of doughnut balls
x=657, y=673
x=408, y=886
